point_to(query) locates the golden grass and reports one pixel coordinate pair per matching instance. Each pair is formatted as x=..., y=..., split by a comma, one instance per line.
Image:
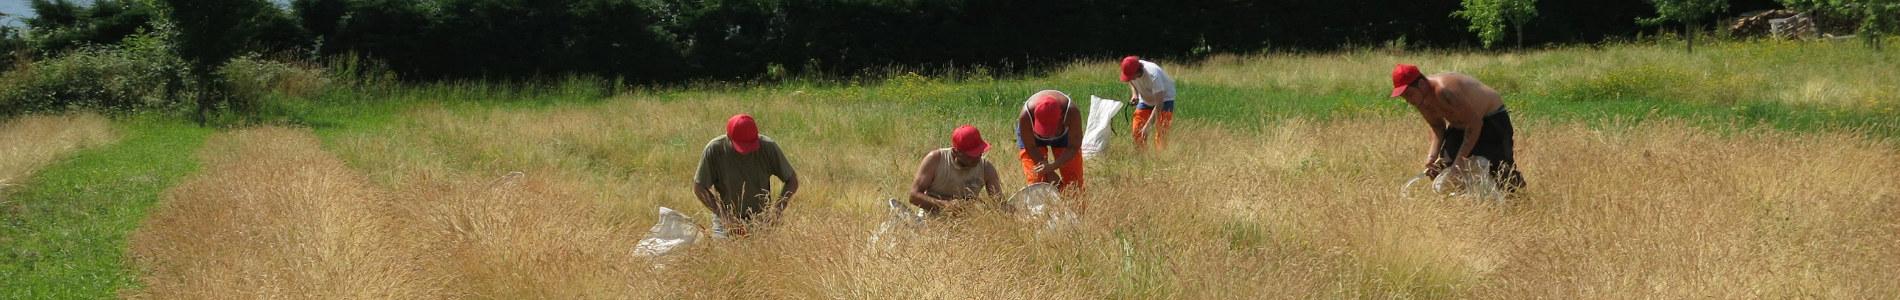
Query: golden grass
x=1302, y=209
x=273, y=216
x=1821, y=74
x=33, y=142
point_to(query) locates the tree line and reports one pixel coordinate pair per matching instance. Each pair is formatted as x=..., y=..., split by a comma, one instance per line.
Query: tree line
x=673, y=40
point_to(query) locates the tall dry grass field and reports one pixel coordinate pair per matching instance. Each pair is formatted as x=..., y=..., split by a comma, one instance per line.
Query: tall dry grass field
x=1288, y=209
x=32, y=142
x=274, y=216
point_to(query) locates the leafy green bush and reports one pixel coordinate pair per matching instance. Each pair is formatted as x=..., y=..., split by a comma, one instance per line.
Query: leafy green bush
x=141, y=74
x=251, y=77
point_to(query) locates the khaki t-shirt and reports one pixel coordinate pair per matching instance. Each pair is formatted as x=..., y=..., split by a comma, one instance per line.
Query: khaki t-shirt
x=742, y=181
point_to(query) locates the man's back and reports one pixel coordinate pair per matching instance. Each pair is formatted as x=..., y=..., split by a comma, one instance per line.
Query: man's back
x=1467, y=93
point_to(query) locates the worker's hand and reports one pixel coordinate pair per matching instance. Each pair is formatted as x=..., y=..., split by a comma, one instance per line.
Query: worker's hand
x=733, y=228
x=1046, y=169
x=1452, y=169
x=1435, y=164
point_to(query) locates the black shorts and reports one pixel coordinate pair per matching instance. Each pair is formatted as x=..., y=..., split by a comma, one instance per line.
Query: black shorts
x=1496, y=143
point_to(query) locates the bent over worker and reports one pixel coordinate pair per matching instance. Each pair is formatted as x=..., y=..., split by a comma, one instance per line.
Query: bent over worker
x=1051, y=145
x=1466, y=119
x=738, y=166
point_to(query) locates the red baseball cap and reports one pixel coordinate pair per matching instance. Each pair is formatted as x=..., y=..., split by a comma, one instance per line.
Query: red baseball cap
x=1402, y=77
x=1131, y=66
x=743, y=132
x=968, y=141
x=1049, y=112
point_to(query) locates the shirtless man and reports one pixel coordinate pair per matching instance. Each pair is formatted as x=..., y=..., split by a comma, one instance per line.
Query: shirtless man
x=952, y=178
x=1467, y=119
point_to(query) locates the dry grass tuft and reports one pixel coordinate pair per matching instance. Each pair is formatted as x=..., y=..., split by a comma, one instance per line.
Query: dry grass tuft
x=32, y=142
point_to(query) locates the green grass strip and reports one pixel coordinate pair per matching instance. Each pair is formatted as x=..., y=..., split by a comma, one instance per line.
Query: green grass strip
x=64, y=230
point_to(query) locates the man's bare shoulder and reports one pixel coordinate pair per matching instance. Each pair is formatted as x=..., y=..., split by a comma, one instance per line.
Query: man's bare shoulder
x=1463, y=86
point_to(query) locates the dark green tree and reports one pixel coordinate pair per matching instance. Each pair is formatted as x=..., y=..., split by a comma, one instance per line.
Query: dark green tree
x=63, y=25
x=211, y=32
x=1688, y=12
x=1489, y=18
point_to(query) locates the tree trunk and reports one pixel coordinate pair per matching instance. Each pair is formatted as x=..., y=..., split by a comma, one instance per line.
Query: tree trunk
x=204, y=102
x=1688, y=29
x=1520, y=34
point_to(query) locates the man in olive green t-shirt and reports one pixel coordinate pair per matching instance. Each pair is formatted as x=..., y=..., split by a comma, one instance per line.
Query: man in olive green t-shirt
x=739, y=166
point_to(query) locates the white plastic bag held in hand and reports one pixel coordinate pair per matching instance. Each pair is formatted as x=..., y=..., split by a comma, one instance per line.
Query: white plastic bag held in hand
x=1042, y=202
x=1473, y=180
x=672, y=232
x=1096, y=133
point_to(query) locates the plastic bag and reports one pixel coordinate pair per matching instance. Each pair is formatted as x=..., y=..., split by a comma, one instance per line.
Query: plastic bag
x=1042, y=202
x=903, y=217
x=1097, y=131
x=1473, y=180
x=672, y=232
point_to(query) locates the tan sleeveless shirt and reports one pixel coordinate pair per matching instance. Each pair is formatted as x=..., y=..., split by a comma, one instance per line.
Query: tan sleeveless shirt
x=954, y=182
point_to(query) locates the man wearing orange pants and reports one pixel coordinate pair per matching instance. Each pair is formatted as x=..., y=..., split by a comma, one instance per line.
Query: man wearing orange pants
x=1149, y=88
x=1052, y=148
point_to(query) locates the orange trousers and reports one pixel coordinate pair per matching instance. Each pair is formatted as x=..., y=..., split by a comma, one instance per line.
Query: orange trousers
x=1071, y=173
x=1164, y=121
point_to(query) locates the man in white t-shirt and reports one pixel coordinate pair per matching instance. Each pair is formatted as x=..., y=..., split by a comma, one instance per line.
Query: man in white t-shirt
x=1149, y=88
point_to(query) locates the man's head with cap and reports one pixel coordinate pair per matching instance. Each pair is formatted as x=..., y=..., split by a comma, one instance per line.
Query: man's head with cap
x=1404, y=77
x=1131, y=68
x=743, y=132
x=1051, y=110
x=969, y=144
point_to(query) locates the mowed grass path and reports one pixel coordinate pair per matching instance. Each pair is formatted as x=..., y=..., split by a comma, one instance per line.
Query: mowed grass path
x=64, y=231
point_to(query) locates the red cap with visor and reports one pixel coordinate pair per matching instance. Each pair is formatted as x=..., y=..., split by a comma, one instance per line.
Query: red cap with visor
x=1402, y=77
x=743, y=132
x=967, y=140
x=1131, y=67
x=1050, y=112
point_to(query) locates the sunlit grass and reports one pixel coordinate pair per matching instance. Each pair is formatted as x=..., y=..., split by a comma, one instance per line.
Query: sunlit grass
x=64, y=230
x=35, y=141
x=1742, y=171
x=1288, y=209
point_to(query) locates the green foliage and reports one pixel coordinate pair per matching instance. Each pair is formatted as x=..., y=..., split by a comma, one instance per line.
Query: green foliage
x=253, y=83
x=141, y=74
x=1683, y=11
x=62, y=25
x=12, y=46
x=214, y=31
x=1686, y=12
x=54, y=13
x=1489, y=18
x=1877, y=17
